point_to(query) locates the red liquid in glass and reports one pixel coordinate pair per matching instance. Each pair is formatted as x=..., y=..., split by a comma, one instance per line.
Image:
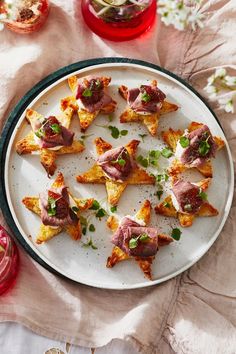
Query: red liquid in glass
x=9, y=261
x=119, y=30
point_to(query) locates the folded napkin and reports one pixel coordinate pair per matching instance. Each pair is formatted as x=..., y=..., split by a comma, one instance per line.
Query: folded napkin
x=192, y=313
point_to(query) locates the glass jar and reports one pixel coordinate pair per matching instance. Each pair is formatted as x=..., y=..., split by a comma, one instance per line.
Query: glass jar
x=9, y=261
x=26, y=16
x=119, y=20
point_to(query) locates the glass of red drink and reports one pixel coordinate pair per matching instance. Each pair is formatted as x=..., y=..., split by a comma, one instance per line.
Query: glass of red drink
x=119, y=20
x=9, y=261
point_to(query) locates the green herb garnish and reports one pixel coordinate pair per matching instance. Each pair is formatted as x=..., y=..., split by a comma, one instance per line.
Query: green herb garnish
x=166, y=205
x=87, y=93
x=75, y=209
x=144, y=237
x=123, y=132
x=121, y=162
x=176, y=233
x=142, y=136
x=84, y=223
x=204, y=148
x=133, y=242
x=113, y=209
x=145, y=97
x=90, y=244
x=184, y=141
x=167, y=153
x=159, y=193
x=100, y=213
x=143, y=161
x=202, y=195
x=51, y=206
x=95, y=205
x=115, y=133
x=92, y=228
x=40, y=133
x=56, y=128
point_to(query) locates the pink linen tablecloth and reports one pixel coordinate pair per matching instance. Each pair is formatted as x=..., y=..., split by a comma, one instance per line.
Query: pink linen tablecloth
x=192, y=313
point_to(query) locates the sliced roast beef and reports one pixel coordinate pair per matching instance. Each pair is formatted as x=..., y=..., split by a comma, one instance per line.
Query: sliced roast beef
x=146, y=99
x=51, y=133
x=116, y=163
x=91, y=93
x=188, y=196
x=136, y=240
x=201, y=147
x=55, y=208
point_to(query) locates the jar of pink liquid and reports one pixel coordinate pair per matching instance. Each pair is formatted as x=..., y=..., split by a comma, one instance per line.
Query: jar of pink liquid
x=9, y=261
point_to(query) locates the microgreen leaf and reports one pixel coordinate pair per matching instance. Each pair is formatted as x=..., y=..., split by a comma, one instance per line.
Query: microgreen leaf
x=40, y=133
x=90, y=244
x=166, y=205
x=121, y=162
x=87, y=93
x=83, y=221
x=133, y=243
x=113, y=209
x=51, y=206
x=184, y=141
x=176, y=233
x=159, y=193
x=115, y=133
x=56, y=128
x=75, y=209
x=144, y=237
x=145, y=97
x=95, y=205
x=204, y=148
x=84, y=230
x=142, y=136
x=124, y=132
x=143, y=161
x=100, y=213
x=202, y=195
x=91, y=228
x=167, y=153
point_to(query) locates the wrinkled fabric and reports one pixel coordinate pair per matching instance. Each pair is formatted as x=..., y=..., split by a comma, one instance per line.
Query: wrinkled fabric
x=192, y=313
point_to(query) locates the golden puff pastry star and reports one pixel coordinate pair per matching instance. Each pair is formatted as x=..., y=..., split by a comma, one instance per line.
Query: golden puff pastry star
x=186, y=202
x=89, y=98
x=49, y=137
x=145, y=104
x=134, y=240
x=193, y=148
x=116, y=168
x=59, y=211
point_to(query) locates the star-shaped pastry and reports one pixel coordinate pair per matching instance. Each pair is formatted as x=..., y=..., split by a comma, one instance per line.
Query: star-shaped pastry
x=58, y=206
x=172, y=138
x=153, y=104
x=187, y=201
x=90, y=98
x=115, y=163
x=144, y=240
x=57, y=129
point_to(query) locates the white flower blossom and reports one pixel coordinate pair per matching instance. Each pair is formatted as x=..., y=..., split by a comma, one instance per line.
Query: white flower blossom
x=181, y=13
x=222, y=87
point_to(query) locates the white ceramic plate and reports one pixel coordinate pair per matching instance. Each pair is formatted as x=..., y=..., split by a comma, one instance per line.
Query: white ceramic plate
x=24, y=176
